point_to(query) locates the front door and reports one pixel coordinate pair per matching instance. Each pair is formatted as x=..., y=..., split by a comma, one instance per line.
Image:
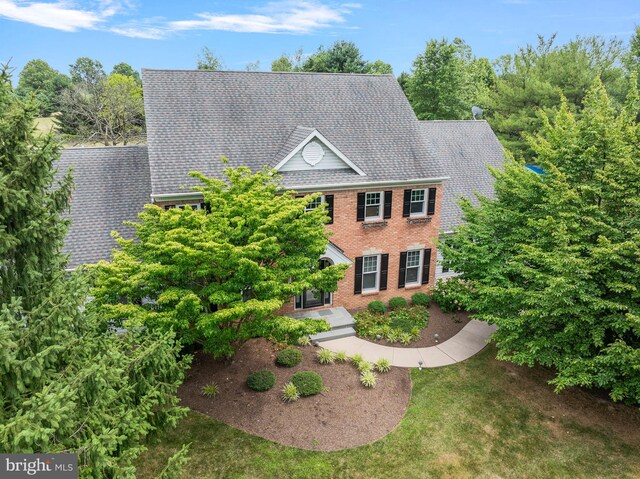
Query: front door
x=312, y=298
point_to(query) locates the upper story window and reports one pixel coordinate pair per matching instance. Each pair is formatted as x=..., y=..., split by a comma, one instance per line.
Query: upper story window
x=326, y=199
x=194, y=206
x=315, y=203
x=373, y=206
x=417, y=202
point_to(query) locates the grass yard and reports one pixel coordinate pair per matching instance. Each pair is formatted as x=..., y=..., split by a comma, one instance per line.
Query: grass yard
x=477, y=419
x=45, y=125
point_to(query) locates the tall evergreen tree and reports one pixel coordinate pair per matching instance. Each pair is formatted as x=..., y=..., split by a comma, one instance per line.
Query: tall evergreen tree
x=553, y=260
x=67, y=382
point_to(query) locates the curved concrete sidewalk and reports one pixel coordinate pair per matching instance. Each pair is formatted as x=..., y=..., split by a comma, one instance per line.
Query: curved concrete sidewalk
x=469, y=341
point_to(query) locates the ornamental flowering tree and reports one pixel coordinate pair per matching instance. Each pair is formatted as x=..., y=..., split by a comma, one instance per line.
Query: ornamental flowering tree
x=554, y=260
x=217, y=276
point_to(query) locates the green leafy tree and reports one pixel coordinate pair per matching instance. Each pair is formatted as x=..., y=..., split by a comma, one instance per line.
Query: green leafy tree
x=537, y=78
x=342, y=57
x=379, y=68
x=446, y=81
x=553, y=260
x=123, y=108
x=87, y=70
x=288, y=63
x=46, y=84
x=126, y=70
x=218, y=276
x=208, y=60
x=67, y=382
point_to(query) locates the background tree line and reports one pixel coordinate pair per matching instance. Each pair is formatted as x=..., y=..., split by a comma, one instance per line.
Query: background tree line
x=445, y=81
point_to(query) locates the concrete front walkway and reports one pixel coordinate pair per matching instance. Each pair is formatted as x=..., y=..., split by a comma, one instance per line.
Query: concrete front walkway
x=469, y=341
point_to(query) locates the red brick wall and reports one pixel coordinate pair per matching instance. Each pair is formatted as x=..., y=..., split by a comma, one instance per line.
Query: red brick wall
x=354, y=240
x=395, y=237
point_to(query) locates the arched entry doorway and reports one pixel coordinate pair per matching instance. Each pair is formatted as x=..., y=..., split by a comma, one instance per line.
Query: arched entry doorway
x=312, y=298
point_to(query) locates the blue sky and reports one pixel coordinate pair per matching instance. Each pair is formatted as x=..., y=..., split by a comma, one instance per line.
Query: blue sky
x=170, y=34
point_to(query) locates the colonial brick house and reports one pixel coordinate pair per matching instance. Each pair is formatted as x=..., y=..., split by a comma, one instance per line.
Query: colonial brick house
x=353, y=138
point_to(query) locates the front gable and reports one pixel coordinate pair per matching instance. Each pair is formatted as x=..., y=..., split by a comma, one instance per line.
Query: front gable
x=315, y=152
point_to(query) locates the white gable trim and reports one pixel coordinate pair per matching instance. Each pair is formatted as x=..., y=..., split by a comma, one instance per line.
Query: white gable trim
x=336, y=255
x=328, y=144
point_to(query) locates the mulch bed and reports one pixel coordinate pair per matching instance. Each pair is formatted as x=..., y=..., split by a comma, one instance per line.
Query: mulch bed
x=446, y=325
x=346, y=415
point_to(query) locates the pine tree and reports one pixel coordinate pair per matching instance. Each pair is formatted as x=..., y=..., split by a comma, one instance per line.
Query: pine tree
x=553, y=260
x=68, y=383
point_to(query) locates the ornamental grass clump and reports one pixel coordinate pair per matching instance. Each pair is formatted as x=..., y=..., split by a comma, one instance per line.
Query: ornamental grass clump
x=262, y=380
x=325, y=356
x=368, y=379
x=210, y=390
x=382, y=365
x=289, y=357
x=341, y=357
x=290, y=392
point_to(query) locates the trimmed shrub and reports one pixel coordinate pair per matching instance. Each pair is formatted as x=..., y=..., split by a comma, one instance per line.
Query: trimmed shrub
x=382, y=365
x=210, y=390
x=397, y=303
x=308, y=383
x=377, y=307
x=290, y=392
x=420, y=299
x=325, y=356
x=261, y=380
x=368, y=379
x=289, y=357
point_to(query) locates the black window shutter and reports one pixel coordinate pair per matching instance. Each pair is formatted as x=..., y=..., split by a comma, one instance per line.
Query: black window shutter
x=431, y=205
x=387, y=204
x=403, y=268
x=426, y=266
x=329, y=200
x=357, y=285
x=384, y=271
x=360, y=207
x=406, y=208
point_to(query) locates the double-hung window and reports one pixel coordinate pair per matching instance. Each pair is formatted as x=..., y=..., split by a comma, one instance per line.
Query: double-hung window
x=373, y=206
x=417, y=203
x=315, y=203
x=370, y=273
x=414, y=265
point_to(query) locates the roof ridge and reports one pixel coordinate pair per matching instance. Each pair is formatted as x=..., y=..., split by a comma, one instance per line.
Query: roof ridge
x=381, y=75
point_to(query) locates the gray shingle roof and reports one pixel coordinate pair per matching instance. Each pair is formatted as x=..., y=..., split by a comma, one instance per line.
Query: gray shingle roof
x=112, y=186
x=195, y=117
x=465, y=149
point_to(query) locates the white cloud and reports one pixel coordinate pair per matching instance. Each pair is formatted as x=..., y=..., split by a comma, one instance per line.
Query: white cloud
x=60, y=15
x=284, y=16
x=275, y=17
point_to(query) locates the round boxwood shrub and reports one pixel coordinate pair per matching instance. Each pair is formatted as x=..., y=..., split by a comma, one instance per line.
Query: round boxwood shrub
x=397, y=303
x=377, y=307
x=307, y=383
x=262, y=380
x=289, y=357
x=420, y=299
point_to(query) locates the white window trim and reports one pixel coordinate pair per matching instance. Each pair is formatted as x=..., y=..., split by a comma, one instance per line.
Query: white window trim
x=377, y=273
x=420, y=266
x=194, y=206
x=424, y=202
x=322, y=202
x=380, y=206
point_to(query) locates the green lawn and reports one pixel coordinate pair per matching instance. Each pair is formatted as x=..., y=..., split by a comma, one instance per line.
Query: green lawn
x=477, y=419
x=44, y=125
